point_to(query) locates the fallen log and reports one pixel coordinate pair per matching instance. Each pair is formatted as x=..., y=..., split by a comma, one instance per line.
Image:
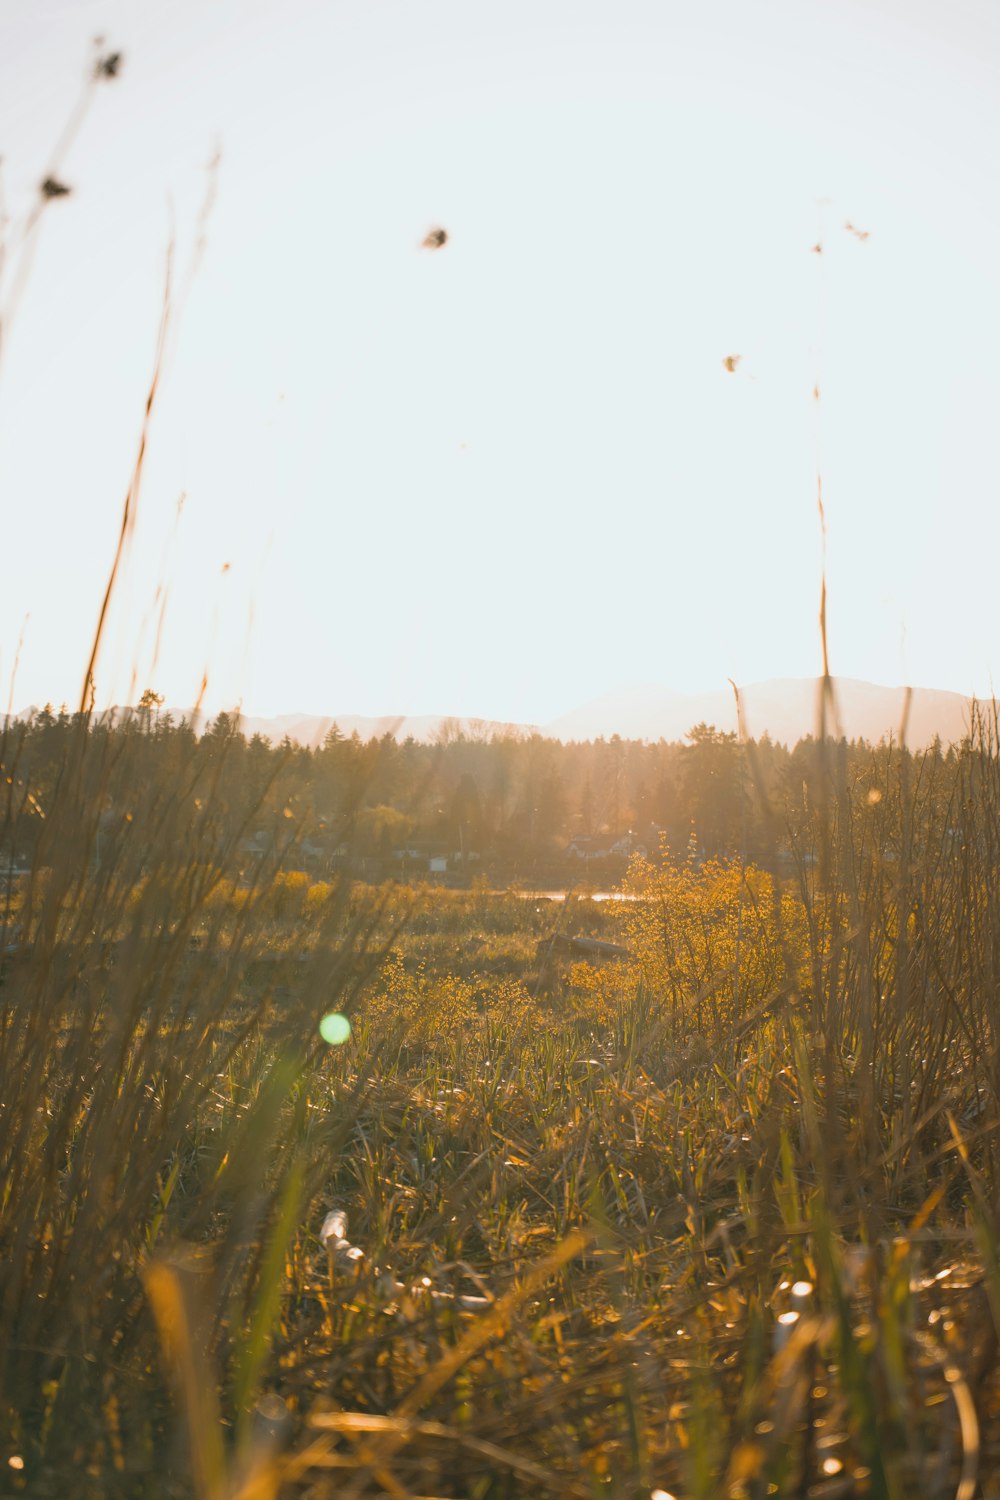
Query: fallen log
x=578, y=947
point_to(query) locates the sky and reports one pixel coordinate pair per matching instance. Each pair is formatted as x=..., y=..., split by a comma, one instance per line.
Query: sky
x=500, y=478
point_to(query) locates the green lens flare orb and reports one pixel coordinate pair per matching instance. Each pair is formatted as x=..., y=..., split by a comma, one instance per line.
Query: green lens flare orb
x=335, y=1029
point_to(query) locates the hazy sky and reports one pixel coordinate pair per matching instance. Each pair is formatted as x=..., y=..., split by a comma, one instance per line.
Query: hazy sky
x=500, y=478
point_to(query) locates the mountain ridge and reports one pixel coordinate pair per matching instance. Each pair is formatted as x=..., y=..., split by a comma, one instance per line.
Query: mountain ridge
x=785, y=708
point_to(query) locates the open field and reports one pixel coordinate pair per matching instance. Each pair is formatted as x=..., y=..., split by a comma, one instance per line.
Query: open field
x=713, y=1215
x=350, y=1147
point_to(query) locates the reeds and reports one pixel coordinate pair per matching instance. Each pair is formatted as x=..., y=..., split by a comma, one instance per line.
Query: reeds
x=632, y=1169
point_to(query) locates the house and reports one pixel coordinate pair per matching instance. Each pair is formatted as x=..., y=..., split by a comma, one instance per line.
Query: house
x=629, y=844
x=583, y=846
x=437, y=860
x=256, y=843
x=606, y=846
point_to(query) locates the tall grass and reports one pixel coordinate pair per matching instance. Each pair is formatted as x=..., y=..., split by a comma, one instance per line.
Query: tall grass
x=154, y=1062
x=661, y=1224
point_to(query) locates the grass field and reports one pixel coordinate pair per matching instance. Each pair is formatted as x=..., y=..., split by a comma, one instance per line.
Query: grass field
x=324, y=1189
x=715, y=1218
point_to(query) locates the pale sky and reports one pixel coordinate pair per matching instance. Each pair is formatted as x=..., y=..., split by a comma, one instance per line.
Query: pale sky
x=501, y=478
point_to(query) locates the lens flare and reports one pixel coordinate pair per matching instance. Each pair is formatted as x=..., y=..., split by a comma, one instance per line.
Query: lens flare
x=335, y=1029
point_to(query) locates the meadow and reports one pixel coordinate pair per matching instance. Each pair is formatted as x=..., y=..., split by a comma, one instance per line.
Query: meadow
x=714, y=1216
x=320, y=1183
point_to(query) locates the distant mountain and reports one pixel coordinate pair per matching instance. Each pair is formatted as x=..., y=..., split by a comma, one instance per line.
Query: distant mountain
x=311, y=730
x=786, y=708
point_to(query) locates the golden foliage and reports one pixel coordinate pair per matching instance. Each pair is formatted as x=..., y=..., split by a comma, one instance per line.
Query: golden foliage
x=713, y=941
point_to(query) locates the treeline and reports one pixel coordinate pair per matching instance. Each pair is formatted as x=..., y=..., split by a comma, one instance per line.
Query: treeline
x=505, y=803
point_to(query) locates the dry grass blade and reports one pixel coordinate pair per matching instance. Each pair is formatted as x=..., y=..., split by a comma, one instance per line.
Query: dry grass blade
x=969, y=1424
x=191, y=1375
x=490, y=1324
x=132, y=493
x=405, y=1429
x=488, y=1327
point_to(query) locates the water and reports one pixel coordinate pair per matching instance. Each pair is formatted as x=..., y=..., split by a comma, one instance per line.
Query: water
x=583, y=894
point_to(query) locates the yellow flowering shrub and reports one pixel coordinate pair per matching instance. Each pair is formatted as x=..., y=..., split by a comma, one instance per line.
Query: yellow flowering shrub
x=713, y=941
x=318, y=896
x=287, y=893
x=596, y=993
x=421, y=1007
